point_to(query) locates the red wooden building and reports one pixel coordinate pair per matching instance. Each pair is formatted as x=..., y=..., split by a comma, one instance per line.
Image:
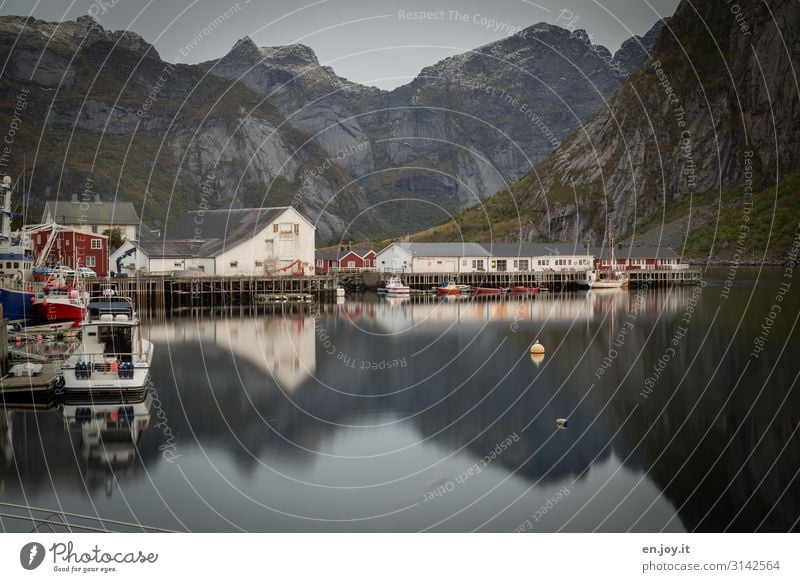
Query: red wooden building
x=635, y=258
x=71, y=248
x=343, y=260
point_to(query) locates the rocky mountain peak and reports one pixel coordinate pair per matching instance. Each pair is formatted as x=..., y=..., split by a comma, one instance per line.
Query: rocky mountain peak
x=290, y=56
x=244, y=50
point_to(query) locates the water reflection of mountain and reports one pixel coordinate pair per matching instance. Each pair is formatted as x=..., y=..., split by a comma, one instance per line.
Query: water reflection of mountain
x=267, y=389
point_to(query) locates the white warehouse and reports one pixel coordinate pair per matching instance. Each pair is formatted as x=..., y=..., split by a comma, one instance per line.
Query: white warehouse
x=480, y=257
x=248, y=242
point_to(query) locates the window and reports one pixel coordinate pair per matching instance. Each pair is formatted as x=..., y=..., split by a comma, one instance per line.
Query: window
x=477, y=264
x=351, y=264
x=16, y=264
x=233, y=263
x=543, y=262
x=275, y=227
x=319, y=262
x=179, y=265
x=502, y=264
x=464, y=263
x=97, y=244
x=91, y=262
x=297, y=229
x=521, y=264
x=286, y=230
x=94, y=229
x=259, y=263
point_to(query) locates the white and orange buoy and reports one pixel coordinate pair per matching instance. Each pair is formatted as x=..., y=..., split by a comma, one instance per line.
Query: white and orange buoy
x=537, y=348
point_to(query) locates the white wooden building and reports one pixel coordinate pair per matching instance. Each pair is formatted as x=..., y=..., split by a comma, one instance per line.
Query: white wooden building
x=432, y=258
x=249, y=241
x=524, y=257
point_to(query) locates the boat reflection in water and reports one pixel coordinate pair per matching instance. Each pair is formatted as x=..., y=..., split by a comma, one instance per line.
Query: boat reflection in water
x=108, y=436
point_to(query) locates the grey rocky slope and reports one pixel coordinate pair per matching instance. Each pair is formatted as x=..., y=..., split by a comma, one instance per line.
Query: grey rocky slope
x=272, y=126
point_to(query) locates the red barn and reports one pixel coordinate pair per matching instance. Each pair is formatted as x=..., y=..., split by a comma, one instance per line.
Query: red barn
x=70, y=247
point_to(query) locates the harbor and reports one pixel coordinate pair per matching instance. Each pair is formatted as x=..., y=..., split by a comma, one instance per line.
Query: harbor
x=268, y=399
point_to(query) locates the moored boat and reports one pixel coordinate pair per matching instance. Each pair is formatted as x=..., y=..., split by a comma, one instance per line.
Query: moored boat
x=447, y=288
x=112, y=356
x=476, y=291
x=16, y=264
x=61, y=302
x=395, y=286
x=523, y=290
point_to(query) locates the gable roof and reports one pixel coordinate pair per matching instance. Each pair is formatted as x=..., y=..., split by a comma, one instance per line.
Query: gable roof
x=218, y=230
x=169, y=249
x=74, y=212
x=446, y=249
x=328, y=255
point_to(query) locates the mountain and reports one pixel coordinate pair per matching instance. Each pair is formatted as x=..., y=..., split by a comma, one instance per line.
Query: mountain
x=707, y=126
x=99, y=111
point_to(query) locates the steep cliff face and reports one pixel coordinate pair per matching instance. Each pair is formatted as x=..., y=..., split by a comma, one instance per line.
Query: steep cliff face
x=270, y=125
x=464, y=128
x=714, y=111
x=102, y=112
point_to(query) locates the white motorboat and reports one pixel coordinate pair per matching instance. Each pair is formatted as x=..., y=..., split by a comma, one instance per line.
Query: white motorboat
x=112, y=356
x=606, y=279
x=395, y=286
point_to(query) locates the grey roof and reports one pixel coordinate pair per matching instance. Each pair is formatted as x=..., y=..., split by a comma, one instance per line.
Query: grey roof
x=530, y=249
x=329, y=255
x=629, y=252
x=75, y=212
x=219, y=230
x=169, y=249
x=446, y=249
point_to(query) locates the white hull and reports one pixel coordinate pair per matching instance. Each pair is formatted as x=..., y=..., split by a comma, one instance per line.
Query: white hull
x=102, y=378
x=595, y=280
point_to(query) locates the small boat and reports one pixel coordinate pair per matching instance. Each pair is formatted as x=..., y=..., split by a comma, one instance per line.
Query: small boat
x=395, y=286
x=605, y=279
x=523, y=290
x=447, y=288
x=112, y=356
x=476, y=291
x=60, y=302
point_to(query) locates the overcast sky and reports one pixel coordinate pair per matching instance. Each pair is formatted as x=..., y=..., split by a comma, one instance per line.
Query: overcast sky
x=374, y=42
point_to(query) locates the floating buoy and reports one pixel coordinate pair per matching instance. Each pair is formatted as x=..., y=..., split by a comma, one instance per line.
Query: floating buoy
x=561, y=422
x=537, y=348
x=18, y=340
x=537, y=359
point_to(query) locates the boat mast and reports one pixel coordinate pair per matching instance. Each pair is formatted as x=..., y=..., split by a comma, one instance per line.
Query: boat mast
x=5, y=228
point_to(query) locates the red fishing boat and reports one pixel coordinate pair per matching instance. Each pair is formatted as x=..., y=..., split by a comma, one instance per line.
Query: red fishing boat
x=476, y=291
x=523, y=290
x=59, y=303
x=448, y=288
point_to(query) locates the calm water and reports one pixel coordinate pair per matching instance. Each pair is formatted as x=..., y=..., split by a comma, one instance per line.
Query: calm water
x=381, y=415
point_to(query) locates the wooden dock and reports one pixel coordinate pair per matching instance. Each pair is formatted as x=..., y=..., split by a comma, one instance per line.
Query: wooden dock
x=554, y=280
x=168, y=293
x=165, y=294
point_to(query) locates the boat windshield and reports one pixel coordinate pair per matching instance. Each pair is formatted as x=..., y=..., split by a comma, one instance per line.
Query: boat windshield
x=116, y=339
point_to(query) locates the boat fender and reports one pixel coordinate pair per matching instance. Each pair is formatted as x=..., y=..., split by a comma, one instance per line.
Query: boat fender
x=60, y=382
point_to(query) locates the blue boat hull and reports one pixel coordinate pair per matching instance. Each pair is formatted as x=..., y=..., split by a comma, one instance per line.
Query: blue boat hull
x=17, y=305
